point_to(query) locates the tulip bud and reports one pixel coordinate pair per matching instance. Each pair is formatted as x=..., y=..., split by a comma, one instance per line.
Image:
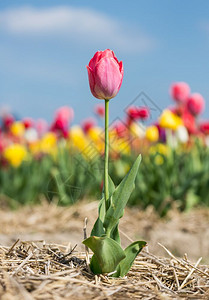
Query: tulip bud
x=105, y=74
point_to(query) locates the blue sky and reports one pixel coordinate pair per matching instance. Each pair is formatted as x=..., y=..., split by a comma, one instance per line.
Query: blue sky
x=46, y=44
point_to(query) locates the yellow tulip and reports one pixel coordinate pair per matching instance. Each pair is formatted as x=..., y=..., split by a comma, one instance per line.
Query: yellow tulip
x=152, y=133
x=15, y=154
x=169, y=120
x=95, y=134
x=17, y=129
x=48, y=143
x=77, y=137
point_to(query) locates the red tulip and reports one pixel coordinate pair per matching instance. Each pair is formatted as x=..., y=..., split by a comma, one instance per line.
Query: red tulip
x=88, y=124
x=105, y=74
x=132, y=113
x=100, y=110
x=204, y=127
x=28, y=122
x=8, y=120
x=143, y=113
x=180, y=91
x=195, y=104
x=137, y=113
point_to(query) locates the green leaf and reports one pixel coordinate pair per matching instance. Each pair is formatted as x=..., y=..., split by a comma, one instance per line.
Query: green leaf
x=131, y=253
x=107, y=254
x=111, y=188
x=120, y=198
x=98, y=229
x=115, y=234
x=94, y=265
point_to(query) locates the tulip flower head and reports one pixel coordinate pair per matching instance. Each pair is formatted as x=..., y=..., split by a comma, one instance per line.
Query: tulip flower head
x=8, y=120
x=137, y=113
x=105, y=74
x=120, y=129
x=182, y=134
x=15, y=154
x=169, y=120
x=152, y=133
x=132, y=113
x=180, y=91
x=28, y=123
x=88, y=124
x=204, y=127
x=17, y=129
x=41, y=127
x=189, y=122
x=143, y=113
x=196, y=104
x=64, y=114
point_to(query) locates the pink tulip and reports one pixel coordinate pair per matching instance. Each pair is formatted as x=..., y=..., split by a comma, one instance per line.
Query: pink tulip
x=180, y=91
x=105, y=74
x=100, y=110
x=120, y=129
x=65, y=114
x=41, y=127
x=195, y=104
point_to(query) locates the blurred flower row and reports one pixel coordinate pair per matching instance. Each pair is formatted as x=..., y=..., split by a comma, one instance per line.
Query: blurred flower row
x=177, y=126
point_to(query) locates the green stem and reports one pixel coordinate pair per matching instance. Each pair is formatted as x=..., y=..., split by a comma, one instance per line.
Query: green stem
x=106, y=189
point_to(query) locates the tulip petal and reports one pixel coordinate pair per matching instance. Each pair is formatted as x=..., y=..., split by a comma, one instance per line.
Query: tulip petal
x=107, y=78
x=91, y=81
x=97, y=56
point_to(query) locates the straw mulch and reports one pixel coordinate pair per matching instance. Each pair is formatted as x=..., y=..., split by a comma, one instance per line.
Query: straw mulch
x=36, y=270
x=180, y=232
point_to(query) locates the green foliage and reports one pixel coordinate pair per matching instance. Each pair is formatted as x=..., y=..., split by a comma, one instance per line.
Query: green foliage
x=107, y=254
x=120, y=198
x=131, y=253
x=182, y=179
x=105, y=238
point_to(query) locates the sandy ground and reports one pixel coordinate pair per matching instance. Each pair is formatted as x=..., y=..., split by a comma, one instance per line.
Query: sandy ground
x=179, y=232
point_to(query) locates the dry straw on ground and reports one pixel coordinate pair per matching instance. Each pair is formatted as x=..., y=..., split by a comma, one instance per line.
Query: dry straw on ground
x=36, y=270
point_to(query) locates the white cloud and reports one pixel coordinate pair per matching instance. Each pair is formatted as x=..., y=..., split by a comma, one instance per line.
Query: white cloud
x=81, y=24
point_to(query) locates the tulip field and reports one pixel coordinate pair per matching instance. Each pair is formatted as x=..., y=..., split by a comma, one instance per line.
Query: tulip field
x=52, y=175
x=65, y=162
